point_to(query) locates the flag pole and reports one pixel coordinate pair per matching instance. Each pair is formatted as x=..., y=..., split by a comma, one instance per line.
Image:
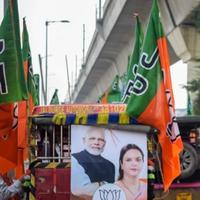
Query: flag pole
x=72, y=84
x=83, y=44
x=42, y=78
x=5, y=5
x=68, y=81
x=76, y=69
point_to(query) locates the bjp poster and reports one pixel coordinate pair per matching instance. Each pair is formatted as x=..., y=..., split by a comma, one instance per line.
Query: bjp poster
x=108, y=163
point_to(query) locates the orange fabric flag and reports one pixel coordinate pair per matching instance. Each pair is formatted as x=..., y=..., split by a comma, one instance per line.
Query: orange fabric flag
x=6, y=118
x=152, y=100
x=25, y=107
x=22, y=124
x=23, y=127
x=23, y=120
x=23, y=117
x=19, y=171
x=8, y=138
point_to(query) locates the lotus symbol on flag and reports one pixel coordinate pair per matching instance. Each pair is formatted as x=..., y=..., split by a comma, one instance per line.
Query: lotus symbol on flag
x=109, y=194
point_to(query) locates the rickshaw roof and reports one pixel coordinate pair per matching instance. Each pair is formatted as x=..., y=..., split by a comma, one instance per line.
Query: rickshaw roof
x=79, y=108
x=85, y=113
x=112, y=115
x=95, y=114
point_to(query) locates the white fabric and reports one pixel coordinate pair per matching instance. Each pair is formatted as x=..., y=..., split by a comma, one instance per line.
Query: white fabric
x=9, y=191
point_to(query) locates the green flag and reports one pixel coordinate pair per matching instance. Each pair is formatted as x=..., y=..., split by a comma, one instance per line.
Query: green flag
x=28, y=65
x=189, y=104
x=37, y=87
x=54, y=99
x=133, y=61
x=113, y=93
x=13, y=86
x=152, y=100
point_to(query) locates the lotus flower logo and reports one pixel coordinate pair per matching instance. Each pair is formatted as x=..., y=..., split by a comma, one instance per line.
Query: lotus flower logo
x=109, y=192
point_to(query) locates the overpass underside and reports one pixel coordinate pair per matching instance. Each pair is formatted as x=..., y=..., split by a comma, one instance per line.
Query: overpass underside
x=113, y=41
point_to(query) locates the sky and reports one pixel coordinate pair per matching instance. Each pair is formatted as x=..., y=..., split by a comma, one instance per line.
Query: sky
x=66, y=39
x=179, y=78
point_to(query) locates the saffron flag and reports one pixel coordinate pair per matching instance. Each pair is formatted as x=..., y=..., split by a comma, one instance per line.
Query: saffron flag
x=12, y=81
x=23, y=105
x=19, y=171
x=113, y=93
x=134, y=60
x=152, y=100
x=12, y=85
x=55, y=99
x=8, y=137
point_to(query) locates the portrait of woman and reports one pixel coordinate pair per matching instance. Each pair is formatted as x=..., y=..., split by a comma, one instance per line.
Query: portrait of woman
x=131, y=162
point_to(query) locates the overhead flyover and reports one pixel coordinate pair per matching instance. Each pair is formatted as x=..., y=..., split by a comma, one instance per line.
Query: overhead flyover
x=113, y=40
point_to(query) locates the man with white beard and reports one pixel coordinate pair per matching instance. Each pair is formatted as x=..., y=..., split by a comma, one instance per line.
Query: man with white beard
x=89, y=169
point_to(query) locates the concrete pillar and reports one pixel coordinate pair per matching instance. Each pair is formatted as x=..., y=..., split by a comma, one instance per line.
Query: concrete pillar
x=193, y=70
x=179, y=45
x=186, y=44
x=192, y=38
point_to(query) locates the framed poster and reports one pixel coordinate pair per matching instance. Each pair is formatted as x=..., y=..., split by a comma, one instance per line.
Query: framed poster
x=108, y=158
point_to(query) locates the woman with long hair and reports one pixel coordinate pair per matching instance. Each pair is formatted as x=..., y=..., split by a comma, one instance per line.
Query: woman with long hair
x=131, y=162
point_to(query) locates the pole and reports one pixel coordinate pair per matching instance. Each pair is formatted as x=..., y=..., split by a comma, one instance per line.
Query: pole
x=68, y=79
x=46, y=63
x=42, y=78
x=99, y=9
x=76, y=69
x=72, y=83
x=83, y=43
x=5, y=6
x=46, y=56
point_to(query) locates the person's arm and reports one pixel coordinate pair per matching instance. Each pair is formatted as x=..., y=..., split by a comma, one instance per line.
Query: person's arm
x=9, y=191
x=80, y=181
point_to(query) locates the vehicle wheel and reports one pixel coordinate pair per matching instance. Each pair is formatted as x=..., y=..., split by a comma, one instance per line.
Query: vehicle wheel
x=189, y=161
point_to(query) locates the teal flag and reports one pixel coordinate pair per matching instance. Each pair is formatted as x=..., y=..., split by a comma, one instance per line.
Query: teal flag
x=55, y=99
x=133, y=61
x=36, y=78
x=113, y=93
x=13, y=86
x=28, y=65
